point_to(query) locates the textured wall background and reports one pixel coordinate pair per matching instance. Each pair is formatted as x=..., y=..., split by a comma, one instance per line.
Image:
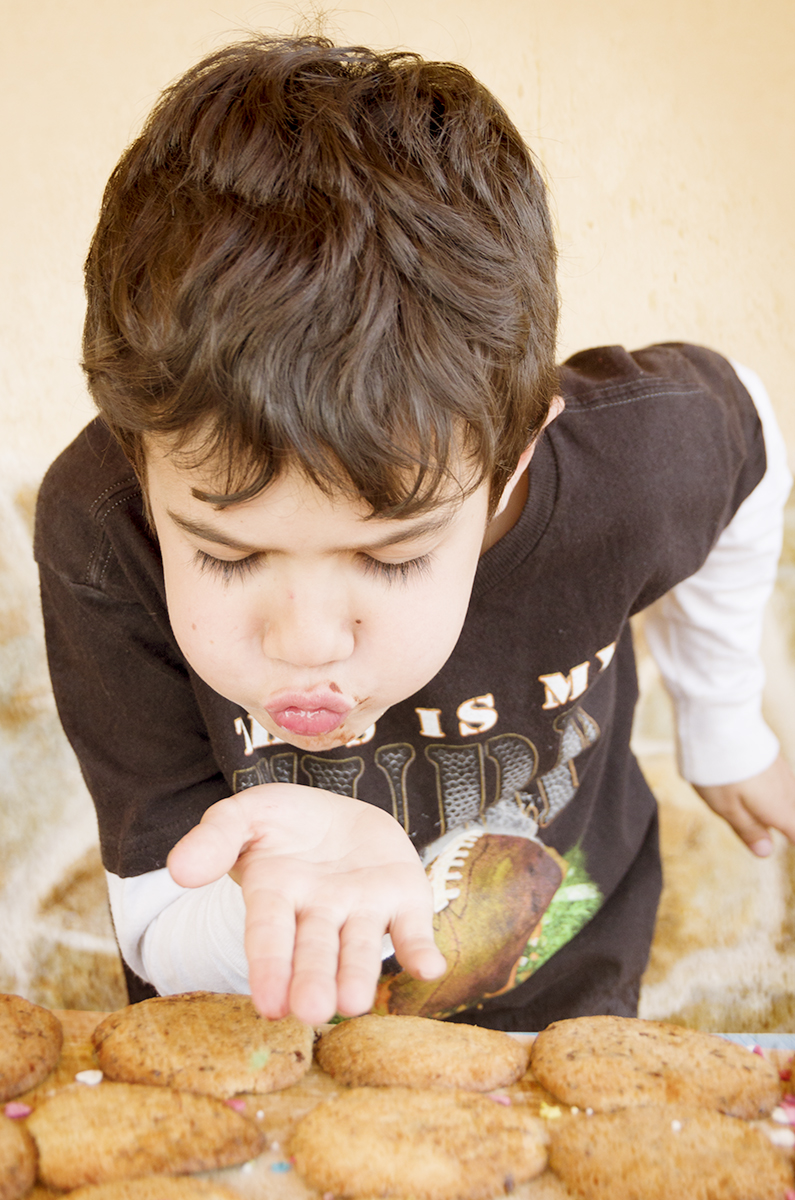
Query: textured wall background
x=668, y=135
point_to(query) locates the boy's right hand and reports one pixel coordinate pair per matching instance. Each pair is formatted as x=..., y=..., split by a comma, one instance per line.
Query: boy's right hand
x=323, y=878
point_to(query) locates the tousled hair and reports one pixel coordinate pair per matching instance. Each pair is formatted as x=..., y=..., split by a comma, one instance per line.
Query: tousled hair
x=327, y=258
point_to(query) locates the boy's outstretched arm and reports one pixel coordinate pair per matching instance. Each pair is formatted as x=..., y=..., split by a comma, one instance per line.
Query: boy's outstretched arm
x=705, y=635
x=755, y=806
x=323, y=877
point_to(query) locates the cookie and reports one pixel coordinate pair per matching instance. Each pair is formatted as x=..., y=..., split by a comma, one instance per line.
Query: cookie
x=123, y=1130
x=607, y=1063
x=429, y=1145
x=157, y=1187
x=373, y=1051
x=662, y=1151
x=30, y=1042
x=280, y=1112
x=203, y=1042
x=17, y=1160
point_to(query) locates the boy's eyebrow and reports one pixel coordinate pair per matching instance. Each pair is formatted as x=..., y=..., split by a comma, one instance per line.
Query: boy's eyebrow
x=435, y=523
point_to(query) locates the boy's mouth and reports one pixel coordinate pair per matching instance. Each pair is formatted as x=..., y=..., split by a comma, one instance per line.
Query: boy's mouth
x=309, y=714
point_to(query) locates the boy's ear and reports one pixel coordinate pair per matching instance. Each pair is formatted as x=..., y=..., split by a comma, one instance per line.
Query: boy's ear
x=555, y=409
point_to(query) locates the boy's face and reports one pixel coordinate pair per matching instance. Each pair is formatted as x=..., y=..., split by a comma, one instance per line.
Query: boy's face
x=296, y=607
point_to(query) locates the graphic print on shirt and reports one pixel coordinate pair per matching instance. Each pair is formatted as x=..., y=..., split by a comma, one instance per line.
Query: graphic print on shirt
x=504, y=902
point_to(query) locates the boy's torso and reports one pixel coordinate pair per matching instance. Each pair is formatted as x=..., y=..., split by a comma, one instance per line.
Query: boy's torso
x=511, y=769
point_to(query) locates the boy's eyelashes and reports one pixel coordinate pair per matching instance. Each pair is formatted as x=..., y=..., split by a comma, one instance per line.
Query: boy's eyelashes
x=228, y=569
x=398, y=571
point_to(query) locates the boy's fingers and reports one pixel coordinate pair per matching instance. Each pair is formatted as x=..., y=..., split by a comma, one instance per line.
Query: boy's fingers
x=755, y=835
x=416, y=951
x=211, y=848
x=270, y=943
x=313, y=990
x=360, y=963
x=728, y=803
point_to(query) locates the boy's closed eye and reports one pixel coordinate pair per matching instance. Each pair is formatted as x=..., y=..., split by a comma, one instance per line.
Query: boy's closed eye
x=238, y=568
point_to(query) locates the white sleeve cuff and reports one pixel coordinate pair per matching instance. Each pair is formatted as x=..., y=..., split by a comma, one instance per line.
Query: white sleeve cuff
x=181, y=939
x=705, y=633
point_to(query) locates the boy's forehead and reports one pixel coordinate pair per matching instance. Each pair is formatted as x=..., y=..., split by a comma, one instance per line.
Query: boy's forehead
x=178, y=475
x=193, y=493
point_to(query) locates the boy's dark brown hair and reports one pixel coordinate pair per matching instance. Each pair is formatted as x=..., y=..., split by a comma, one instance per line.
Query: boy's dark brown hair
x=326, y=258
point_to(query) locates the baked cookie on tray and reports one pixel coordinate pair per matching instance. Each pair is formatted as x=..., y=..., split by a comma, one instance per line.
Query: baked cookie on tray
x=157, y=1187
x=607, y=1063
x=17, y=1159
x=203, y=1042
x=664, y=1151
x=424, y=1144
x=123, y=1130
x=30, y=1042
x=375, y=1051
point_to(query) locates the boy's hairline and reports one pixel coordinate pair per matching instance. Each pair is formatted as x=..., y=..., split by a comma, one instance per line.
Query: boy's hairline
x=336, y=485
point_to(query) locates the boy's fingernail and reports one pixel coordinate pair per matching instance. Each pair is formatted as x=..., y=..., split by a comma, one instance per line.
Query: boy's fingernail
x=762, y=848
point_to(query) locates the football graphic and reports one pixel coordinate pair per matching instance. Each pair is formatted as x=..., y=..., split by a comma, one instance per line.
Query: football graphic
x=491, y=891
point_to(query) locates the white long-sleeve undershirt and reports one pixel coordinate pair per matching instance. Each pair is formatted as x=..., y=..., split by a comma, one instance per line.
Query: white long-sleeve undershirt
x=705, y=636
x=705, y=633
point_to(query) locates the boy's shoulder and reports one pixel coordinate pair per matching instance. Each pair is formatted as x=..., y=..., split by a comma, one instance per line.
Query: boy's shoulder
x=88, y=484
x=661, y=416
x=665, y=369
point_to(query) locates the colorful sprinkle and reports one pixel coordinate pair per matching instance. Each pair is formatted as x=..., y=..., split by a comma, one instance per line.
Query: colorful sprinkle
x=275, y=1146
x=789, y=1194
x=676, y=1126
x=785, y=1074
x=499, y=1098
x=258, y=1059
x=328, y=1196
x=15, y=1110
x=89, y=1078
x=260, y=1114
x=784, y=1138
x=758, y=1050
x=237, y=1104
x=549, y=1112
x=281, y=1167
x=589, y=1112
x=784, y=1113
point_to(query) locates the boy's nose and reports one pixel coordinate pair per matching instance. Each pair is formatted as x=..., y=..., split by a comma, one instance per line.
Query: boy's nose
x=308, y=631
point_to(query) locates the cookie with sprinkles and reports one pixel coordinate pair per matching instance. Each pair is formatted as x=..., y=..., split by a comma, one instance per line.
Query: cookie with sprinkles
x=606, y=1063
x=122, y=1131
x=30, y=1044
x=376, y=1051
x=203, y=1042
x=157, y=1187
x=17, y=1159
x=661, y=1151
x=424, y=1144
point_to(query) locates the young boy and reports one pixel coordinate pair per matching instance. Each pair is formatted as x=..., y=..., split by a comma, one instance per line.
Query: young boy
x=337, y=587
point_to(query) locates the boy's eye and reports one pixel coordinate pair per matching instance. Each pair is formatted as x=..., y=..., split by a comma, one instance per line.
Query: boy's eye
x=396, y=572
x=225, y=568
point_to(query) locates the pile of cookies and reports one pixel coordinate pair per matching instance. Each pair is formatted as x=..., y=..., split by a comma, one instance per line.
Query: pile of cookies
x=602, y=1108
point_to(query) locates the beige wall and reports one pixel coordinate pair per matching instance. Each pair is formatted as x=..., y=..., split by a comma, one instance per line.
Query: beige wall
x=667, y=132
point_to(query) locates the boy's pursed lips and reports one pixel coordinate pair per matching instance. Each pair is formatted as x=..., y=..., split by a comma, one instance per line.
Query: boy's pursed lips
x=308, y=713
